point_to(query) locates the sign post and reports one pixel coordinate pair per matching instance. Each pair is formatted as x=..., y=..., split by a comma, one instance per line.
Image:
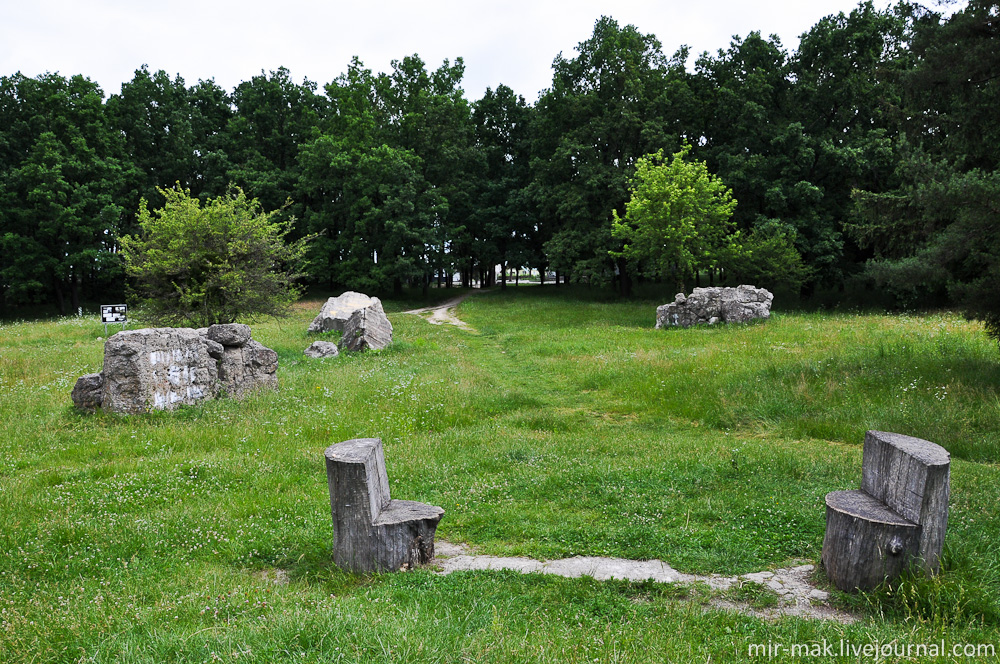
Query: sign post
x=114, y=313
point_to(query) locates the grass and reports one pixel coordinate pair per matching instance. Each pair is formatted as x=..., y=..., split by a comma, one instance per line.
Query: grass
x=565, y=426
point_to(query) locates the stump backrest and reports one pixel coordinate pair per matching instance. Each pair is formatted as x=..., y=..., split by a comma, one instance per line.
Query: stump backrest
x=359, y=466
x=911, y=477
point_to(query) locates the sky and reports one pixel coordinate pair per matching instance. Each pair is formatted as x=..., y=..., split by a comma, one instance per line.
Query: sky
x=510, y=42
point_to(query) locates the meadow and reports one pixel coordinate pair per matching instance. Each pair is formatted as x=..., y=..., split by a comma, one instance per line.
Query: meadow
x=564, y=425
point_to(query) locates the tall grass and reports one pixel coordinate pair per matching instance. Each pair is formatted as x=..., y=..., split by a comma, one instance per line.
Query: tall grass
x=565, y=426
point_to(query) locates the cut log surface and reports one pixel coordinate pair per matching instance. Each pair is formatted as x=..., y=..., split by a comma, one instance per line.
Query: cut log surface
x=371, y=531
x=865, y=542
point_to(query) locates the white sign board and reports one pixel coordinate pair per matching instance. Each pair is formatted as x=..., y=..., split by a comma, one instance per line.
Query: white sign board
x=114, y=313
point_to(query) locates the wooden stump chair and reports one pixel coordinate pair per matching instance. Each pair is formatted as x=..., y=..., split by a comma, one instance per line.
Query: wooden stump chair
x=898, y=517
x=371, y=531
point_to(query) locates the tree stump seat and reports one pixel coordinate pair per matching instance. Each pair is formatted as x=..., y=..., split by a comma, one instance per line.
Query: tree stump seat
x=372, y=532
x=896, y=519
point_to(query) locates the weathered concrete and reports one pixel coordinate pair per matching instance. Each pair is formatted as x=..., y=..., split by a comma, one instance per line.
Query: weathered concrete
x=337, y=310
x=88, y=392
x=157, y=369
x=163, y=368
x=229, y=334
x=797, y=595
x=715, y=305
x=248, y=367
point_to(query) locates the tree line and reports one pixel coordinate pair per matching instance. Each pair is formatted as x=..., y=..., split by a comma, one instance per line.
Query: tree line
x=867, y=155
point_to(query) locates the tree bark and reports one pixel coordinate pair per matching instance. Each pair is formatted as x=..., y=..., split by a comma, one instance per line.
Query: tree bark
x=60, y=299
x=624, y=279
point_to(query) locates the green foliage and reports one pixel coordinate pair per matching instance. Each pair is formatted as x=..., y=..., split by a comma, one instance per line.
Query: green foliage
x=172, y=134
x=387, y=180
x=506, y=226
x=409, y=182
x=767, y=258
x=272, y=118
x=792, y=133
x=677, y=221
x=60, y=175
x=607, y=107
x=936, y=228
x=199, y=265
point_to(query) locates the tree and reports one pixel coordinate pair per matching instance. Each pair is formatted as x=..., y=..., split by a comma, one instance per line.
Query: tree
x=938, y=229
x=504, y=220
x=171, y=134
x=202, y=265
x=273, y=116
x=606, y=108
x=60, y=174
x=427, y=115
x=677, y=221
x=365, y=195
x=793, y=134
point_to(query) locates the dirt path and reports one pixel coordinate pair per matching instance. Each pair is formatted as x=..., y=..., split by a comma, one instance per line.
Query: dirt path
x=797, y=596
x=444, y=312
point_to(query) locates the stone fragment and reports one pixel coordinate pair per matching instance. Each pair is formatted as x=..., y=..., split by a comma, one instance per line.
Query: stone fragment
x=248, y=367
x=337, y=310
x=229, y=334
x=87, y=392
x=716, y=305
x=215, y=349
x=367, y=328
x=321, y=349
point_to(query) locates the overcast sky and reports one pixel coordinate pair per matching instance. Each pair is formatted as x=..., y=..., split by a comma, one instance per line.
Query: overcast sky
x=501, y=42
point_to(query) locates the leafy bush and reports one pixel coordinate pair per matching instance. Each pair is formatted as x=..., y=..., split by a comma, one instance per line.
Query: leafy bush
x=200, y=265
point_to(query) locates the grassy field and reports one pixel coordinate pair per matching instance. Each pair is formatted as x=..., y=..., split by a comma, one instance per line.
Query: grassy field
x=566, y=425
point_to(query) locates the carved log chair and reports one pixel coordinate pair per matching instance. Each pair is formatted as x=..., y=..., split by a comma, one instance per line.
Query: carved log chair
x=371, y=531
x=897, y=518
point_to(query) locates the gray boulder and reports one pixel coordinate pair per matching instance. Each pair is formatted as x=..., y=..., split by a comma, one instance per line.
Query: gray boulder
x=229, y=334
x=321, y=349
x=163, y=368
x=248, y=367
x=367, y=328
x=337, y=310
x=157, y=369
x=88, y=392
x=716, y=305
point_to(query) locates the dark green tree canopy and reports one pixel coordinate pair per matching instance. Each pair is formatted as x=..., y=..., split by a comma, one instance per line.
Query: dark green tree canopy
x=605, y=109
x=61, y=180
x=862, y=159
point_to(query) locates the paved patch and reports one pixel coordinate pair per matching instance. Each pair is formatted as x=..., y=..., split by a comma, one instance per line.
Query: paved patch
x=797, y=596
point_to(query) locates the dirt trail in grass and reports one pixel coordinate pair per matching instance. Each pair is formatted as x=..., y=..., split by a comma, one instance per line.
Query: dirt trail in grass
x=444, y=312
x=796, y=595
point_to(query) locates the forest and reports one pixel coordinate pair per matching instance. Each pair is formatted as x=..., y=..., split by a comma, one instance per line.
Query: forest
x=865, y=161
